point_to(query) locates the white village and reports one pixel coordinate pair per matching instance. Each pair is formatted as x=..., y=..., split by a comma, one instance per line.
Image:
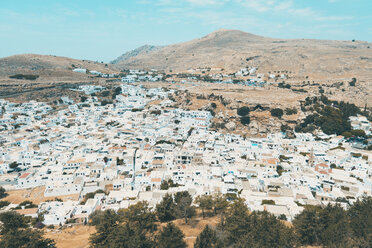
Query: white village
x=142, y=147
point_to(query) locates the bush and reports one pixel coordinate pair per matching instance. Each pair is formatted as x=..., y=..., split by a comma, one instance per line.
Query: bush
x=243, y=111
x=4, y=204
x=245, y=120
x=2, y=193
x=284, y=128
x=105, y=93
x=359, y=133
x=352, y=82
x=268, y=202
x=284, y=85
x=23, y=76
x=290, y=111
x=347, y=134
x=105, y=102
x=276, y=112
x=13, y=165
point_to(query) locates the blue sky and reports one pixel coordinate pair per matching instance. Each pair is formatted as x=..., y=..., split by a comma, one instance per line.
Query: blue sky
x=103, y=29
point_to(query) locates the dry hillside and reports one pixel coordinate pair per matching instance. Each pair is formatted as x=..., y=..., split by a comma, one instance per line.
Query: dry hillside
x=49, y=68
x=234, y=49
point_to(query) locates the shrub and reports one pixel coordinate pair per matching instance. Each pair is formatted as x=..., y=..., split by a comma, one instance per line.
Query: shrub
x=284, y=128
x=290, y=111
x=2, y=193
x=243, y=111
x=23, y=76
x=4, y=204
x=276, y=112
x=352, y=82
x=358, y=133
x=245, y=120
x=268, y=202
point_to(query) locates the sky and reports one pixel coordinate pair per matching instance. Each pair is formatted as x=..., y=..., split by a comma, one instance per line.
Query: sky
x=101, y=30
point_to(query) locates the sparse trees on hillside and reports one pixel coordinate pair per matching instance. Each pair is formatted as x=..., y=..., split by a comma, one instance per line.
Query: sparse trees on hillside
x=165, y=210
x=208, y=239
x=170, y=237
x=15, y=232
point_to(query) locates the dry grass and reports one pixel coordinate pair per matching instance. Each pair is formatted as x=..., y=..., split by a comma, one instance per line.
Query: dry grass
x=195, y=227
x=265, y=96
x=75, y=236
x=230, y=49
x=36, y=195
x=78, y=236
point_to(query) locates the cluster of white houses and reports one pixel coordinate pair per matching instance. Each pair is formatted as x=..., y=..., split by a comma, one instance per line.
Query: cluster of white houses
x=130, y=147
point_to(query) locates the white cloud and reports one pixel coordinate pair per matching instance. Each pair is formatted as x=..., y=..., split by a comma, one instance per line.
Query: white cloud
x=207, y=2
x=288, y=8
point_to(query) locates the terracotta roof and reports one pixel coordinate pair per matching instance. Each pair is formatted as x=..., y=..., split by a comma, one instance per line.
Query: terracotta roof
x=24, y=175
x=271, y=160
x=156, y=180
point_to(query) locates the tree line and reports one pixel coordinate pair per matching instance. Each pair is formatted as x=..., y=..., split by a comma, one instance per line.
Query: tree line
x=140, y=226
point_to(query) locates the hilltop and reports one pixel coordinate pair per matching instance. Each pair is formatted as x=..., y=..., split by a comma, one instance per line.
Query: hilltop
x=53, y=76
x=234, y=49
x=48, y=67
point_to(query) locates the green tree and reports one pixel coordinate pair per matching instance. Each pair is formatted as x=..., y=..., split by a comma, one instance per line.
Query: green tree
x=164, y=185
x=220, y=205
x=11, y=221
x=237, y=222
x=183, y=208
x=106, y=223
x=2, y=193
x=139, y=215
x=284, y=128
x=245, y=120
x=207, y=239
x=127, y=236
x=205, y=202
x=165, y=210
x=361, y=220
x=277, y=112
x=335, y=227
x=307, y=227
x=243, y=111
x=25, y=238
x=347, y=134
x=353, y=82
x=4, y=204
x=359, y=133
x=15, y=233
x=13, y=165
x=265, y=230
x=170, y=237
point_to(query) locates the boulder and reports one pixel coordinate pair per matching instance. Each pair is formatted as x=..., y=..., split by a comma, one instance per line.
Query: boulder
x=231, y=126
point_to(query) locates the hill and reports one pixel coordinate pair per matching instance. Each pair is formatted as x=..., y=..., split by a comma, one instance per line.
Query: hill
x=234, y=49
x=54, y=76
x=48, y=68
x=135, y=52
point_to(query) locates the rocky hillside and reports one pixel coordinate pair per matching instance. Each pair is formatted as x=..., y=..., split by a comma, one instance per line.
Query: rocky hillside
x=234, y=49
x=140, y=50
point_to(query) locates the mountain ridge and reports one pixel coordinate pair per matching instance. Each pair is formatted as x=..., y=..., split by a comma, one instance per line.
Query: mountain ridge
x=132, y=53
x=234, y=49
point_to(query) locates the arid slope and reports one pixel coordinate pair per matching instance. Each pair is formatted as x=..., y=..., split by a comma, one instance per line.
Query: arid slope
x=234, y=49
